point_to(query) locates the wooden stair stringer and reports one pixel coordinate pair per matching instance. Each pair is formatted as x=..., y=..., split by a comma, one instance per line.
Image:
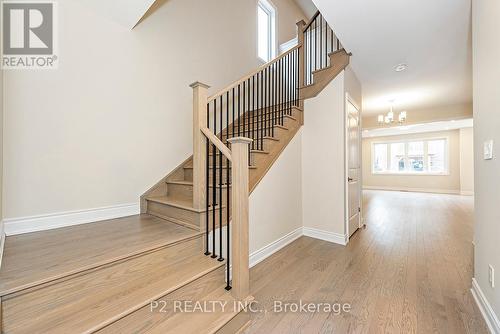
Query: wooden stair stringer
x=321, y=78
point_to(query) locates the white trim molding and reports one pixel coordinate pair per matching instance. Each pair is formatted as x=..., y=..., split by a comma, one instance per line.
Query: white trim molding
x=2, y=240
x=337, y=238
x=486, y=310
x=266, y=251
x=15, y=226
x=466, y=193
x=416, y=190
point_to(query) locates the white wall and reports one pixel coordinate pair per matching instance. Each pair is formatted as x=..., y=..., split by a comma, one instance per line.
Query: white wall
x=323, y=162
x=486, y=64
x=117, y=115
x=467, y=161
x=429, y=183
x=276, y=203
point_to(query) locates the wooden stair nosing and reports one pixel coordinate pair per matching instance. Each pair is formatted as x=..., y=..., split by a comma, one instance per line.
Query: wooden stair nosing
x=84, y=270
x=213, y=266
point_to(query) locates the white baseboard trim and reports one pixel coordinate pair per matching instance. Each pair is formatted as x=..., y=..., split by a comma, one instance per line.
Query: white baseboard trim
x=416, y=190
x=466, y=193
x=15, y=226
x=337, y=238
x=2, y=240
x=266, y=251
x=486, y=310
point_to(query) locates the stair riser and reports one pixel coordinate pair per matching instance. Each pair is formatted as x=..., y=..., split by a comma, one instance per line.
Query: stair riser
x=188, y=174
x=143, y=320
x=181, y=191
x=177, y=215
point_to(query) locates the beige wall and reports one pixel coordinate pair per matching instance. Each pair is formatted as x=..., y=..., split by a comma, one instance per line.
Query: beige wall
x=2, y=198
x=442, y=113
x=116, y=116
x=288, y=11
x=467, y=161
x=276, y=204
x=442, y=183
x=486, y=62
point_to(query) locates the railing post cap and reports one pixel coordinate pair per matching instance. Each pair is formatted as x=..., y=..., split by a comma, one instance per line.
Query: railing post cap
x=240, y=140
x=301, y=22
x=199, y=84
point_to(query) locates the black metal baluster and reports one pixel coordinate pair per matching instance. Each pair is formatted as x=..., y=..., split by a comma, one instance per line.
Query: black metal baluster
x=228, y=242
x=320, y=41
x=257, y=111
x=252, y=120
x=214, y=180
x=207, y=198
x=244, y=107
x=220, y=188
x=232, y=109
x=239, y=110
x=248, y=110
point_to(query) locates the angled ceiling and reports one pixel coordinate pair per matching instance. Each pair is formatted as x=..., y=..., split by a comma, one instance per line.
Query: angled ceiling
x=432, y=37
x=127, y=13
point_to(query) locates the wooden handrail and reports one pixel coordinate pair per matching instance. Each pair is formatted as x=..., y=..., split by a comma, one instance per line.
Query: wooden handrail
x=246, y=77
x=217, y=142
x=311, y=20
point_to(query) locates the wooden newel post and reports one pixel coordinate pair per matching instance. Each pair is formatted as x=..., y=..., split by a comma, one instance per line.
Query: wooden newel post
x=302, y=58
x=200, y=98
x=240, y=247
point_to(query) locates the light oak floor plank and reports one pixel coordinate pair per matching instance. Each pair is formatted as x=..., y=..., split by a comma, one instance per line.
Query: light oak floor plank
x=408, y=271
x=35, y=258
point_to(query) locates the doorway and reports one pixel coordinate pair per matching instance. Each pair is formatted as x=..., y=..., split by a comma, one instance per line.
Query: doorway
x=353, y=168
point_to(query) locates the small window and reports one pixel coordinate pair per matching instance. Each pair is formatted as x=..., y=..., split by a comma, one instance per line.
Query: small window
x=411, y=157
x=266, y=30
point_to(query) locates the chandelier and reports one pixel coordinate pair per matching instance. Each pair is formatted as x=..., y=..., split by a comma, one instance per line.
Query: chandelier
x=389, y=118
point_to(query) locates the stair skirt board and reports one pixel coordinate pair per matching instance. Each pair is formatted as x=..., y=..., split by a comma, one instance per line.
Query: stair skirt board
x=15, y=226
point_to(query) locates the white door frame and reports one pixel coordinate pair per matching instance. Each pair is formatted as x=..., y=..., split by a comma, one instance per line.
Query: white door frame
x=350, y=99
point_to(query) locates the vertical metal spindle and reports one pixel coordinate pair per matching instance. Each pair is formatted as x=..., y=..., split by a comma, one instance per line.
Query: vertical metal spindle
x=247, y=133
x=244, y=108
x=257, y=111
x=214, y=180
x=228, y=241
x=232, y=109
x=320, y=41
x=207, y=190
x=252, y=133
x=220, y=187
x=239, y=110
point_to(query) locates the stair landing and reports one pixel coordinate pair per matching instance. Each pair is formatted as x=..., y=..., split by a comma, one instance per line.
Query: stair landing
x=35, y=258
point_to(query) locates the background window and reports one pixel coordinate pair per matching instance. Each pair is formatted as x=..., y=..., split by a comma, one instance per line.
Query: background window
x=398, y=157
x=416, y=156
x=419, y=156
x=436, y=153
x=266, y=40
x=380, y=157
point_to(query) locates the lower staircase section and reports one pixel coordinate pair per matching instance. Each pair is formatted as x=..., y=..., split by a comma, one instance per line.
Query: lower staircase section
x=135, y=294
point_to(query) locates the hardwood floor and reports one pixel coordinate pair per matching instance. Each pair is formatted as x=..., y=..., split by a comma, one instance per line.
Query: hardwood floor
x=35, y=258
x=408, y=271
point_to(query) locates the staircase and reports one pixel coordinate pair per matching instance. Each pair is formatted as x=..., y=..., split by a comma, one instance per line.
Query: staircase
x=193, y=222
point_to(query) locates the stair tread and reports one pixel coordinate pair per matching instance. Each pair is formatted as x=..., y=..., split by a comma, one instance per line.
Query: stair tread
x=90, y=302
x=206, y=288
x=36, y=258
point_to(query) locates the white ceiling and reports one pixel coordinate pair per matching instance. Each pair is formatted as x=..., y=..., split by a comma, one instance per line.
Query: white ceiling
x=431, y=36
x=419, y=128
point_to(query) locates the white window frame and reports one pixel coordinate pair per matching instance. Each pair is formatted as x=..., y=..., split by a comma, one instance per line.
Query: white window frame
x=426, y=156
x=270, y=9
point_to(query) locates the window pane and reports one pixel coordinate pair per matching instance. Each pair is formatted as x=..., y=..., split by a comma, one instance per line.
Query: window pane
x=263, y=33
x=416, y=156
x=380, y=158
x=436, y=152
x=397, y=157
